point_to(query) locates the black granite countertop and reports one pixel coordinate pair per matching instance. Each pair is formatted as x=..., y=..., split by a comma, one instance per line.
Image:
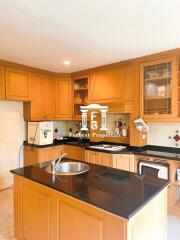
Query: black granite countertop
x=120, y=192
x=149, y=150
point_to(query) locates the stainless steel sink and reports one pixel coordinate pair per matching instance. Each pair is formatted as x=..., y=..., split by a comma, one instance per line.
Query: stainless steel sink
x=69, y=168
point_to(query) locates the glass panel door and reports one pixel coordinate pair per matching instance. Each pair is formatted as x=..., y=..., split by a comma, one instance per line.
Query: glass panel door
x=157, y=89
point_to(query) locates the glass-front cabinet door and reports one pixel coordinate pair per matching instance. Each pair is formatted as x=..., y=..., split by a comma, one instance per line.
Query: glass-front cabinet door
x=158, y=85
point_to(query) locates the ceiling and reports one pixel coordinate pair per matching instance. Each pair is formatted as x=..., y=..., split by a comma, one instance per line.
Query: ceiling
x=89, y=33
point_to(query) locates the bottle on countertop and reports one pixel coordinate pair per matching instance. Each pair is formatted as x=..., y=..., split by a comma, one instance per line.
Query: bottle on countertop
x=56, y=134
x=124, y=130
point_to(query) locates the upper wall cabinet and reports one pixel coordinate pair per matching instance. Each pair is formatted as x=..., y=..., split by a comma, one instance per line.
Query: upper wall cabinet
x=80, y=94
x=17, y=85
x=64, y=98
x=34, y=110
x=49, y=97
x=112, y=85
x=42, y=105
x=2, y=83
x=159, y=89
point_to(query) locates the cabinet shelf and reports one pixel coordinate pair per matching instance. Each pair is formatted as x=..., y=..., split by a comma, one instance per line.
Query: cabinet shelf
x=80, y=95
x=81, y=89
x=158, y=79
x=157, y=98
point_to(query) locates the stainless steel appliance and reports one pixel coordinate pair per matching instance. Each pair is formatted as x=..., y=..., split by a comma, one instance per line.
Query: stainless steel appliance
x=108, y=147
x=157, y=169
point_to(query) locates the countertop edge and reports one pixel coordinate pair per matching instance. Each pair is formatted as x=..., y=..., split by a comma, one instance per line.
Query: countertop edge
x=95, y=205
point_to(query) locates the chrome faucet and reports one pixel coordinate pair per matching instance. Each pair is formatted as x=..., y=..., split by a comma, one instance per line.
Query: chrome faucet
x=54, y=164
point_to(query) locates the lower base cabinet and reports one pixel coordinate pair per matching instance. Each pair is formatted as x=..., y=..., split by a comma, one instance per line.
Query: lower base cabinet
x=120, y=161
x=74, y=152
x=41, y=213
x=34, y=155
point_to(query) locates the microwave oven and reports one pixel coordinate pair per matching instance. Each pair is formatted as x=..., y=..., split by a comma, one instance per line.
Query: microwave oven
x=155, y=169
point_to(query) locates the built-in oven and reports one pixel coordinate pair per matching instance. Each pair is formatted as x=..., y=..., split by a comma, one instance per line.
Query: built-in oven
x=157, y=169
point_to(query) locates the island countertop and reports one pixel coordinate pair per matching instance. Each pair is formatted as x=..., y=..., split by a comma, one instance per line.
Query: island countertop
x=119, y=192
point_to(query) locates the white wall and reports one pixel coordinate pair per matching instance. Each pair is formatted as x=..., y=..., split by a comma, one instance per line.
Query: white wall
x=12, y=135
x=162, y=134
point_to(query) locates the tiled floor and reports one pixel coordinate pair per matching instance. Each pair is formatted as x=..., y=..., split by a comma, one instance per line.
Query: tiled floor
x=6, y=214
x=6, y=218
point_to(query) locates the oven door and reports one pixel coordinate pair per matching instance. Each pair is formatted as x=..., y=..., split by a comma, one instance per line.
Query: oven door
x=153, y=169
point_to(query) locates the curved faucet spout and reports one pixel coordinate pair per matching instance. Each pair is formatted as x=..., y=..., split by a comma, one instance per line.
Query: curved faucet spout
x=54, y=164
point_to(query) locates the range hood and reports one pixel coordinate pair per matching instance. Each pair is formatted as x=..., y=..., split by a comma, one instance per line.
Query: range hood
x=120, y=107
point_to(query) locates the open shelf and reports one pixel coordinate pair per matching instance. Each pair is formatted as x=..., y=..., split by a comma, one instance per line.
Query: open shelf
x=80, y=95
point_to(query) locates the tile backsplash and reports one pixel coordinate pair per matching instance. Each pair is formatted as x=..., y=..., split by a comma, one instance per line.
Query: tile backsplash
x=164, y=134
x=12, y=135
x=111, y=118
x=63, y=126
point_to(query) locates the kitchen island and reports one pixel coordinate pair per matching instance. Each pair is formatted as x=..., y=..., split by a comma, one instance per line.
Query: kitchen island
x=101, y=204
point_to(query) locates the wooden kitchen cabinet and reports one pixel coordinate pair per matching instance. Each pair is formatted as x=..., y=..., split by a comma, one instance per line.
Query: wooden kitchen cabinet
x=124, y=162
x=17, y=85
x=106, y=160
x=2, y=82
x=64, y=99
x=92, y=157
x=159, y=86
x=112, y=84
x=34, y=155
x=42, y=213
x=49, y=98
x=34, y=110
x=57, y=151
x=74, y=152
x=42, y=105
x=120, y=161
x=80, y=94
